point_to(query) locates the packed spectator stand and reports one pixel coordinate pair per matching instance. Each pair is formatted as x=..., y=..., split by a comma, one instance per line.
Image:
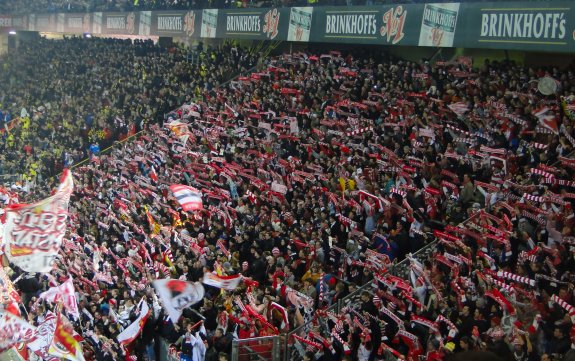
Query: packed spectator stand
x=318, y=172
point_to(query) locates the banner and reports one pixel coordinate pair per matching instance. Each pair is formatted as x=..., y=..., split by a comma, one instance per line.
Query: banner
x=74, y=23
x=33, y=232
x=8, y=294
x=14, y=330
x=131, y=332
x=188, y=197
x=43, y=337
x=174, y=23
x=43, y=22
x=299, y=28
x=177, y=295
x=64, y=293
x=14, y=22
x=263, y=24
x=386, y=24
x=64, y=344
x=229, y=283
x=209, y=23
x=544, y=26
x=119, y=23
x=438, y=25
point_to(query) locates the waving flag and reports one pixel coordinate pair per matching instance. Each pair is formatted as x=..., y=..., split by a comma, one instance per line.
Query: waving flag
x=547, y=120
x=229, y=283
x=177, y=295
x=189, y=198
x=33, y=232
x=153, y=174
x=181, y=130
x=14, y=330
x=9, y=297
x=43, y=337
x=65, y=293
x=64, y=343
x=132, y=331
x=458, y=108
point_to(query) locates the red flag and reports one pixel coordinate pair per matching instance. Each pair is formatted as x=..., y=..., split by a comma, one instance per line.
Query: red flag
x=64, y=344
x=547, y=120
x=153, y=175
x=189, y=198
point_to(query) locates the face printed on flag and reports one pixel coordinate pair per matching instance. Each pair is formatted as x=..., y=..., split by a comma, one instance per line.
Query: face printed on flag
x=189, y=198
x=176, y=295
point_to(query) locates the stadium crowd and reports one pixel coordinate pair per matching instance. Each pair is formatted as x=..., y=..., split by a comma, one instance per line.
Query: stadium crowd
x=318, y=172
x=104, y=93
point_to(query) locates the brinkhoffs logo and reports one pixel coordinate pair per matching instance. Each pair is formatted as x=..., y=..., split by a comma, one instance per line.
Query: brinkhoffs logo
x=271, y=23
x=393, y=23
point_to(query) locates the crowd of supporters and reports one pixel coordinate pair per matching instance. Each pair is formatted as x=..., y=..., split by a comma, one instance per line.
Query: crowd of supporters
x=54, y=106
x=317, y=173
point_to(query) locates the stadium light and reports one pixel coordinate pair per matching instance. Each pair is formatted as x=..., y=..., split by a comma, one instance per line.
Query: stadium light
x=87, y=35
x=12, y=32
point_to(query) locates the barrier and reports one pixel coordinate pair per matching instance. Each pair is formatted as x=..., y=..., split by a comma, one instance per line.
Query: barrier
x=294, y=352
x=257, y=349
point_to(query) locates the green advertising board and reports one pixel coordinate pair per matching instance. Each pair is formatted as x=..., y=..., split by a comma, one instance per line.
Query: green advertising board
x=387, y=24
x=260, y=24
x=538, y=26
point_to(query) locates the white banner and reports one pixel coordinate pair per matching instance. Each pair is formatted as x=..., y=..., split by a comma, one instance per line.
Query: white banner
x=280, y=188
x=33, y=232
x=8, y=293
x=65, y=293
x=177, y=295
x=43, y=337
x=132, y=331
x=14, y=330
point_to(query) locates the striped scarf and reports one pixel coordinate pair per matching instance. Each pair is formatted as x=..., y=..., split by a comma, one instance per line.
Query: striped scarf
x=393, y=317
x=564, y=305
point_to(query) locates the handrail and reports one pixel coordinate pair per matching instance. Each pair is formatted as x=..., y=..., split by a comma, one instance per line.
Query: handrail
x=247, y=342
x=339, y=305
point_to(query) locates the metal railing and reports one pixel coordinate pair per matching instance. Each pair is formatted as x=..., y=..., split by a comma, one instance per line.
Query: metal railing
x=266, y=348
x=293, y=351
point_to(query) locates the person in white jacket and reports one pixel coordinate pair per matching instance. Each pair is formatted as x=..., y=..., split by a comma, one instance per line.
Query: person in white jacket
x=193, y=346
x=364, y=350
